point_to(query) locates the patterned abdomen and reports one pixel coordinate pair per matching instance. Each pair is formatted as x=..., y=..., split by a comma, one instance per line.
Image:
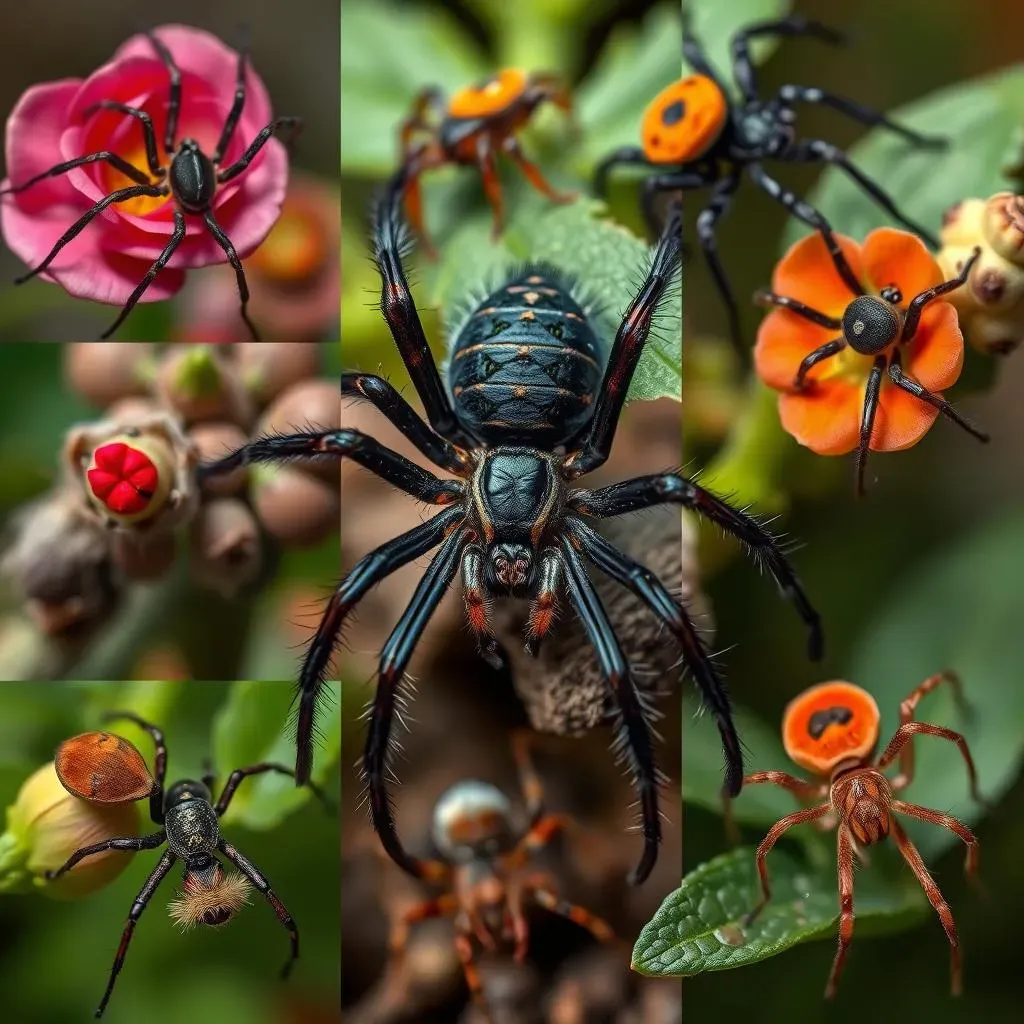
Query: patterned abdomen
x=526, y=366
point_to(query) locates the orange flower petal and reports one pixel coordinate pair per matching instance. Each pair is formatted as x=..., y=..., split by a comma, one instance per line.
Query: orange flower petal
x=893, y=257
x=783, y=339
x=901, y=421
x=807, y=273
x=935, y=356
x=826, y=418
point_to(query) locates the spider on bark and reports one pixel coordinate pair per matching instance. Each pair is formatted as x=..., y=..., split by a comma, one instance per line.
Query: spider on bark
x=189, y=826
x=532, y=405
x=190, y=178
x=832, y=730
x=695, y=137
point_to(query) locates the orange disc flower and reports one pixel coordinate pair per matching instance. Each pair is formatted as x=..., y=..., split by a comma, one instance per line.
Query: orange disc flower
x=862, y=370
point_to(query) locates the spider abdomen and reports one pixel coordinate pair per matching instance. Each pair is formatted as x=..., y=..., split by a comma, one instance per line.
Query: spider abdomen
x=193, y=179
x=527, y=364
x=192, y=828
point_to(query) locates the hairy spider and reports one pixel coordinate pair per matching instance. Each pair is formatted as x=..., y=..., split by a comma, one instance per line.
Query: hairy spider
x=486, y=871
x=695, y=137
x=876, y=327
x=832, y=730
x=475, y=124
x=189, y=825
x=189, y=177
x=533, y=405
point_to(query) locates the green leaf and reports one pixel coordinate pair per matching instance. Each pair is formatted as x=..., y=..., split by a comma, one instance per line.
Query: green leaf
x=249, y=729
x=980, y=117
x=960, y=612
x=715, y=23
x=700, y=926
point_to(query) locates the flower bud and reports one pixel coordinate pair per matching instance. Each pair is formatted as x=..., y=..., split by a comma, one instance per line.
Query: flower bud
x=46, y=824
x=294, y=507
x=199, y=383
x=1004, y=226
x=225, y=546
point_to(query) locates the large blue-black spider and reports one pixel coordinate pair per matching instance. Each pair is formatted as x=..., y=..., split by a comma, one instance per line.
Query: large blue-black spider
x=531, y=406
x=694, y=136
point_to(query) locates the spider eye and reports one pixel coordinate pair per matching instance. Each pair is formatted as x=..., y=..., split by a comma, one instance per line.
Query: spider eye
x=870, y=325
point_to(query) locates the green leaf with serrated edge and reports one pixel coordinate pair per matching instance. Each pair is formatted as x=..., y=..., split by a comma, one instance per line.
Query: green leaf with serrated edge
x=699, y=927
x=388, y=54
x=960, y=611
x=715, y=23
x=250, y=728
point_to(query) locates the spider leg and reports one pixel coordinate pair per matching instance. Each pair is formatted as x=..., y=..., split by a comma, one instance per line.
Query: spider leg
x=945, y=821
x=120, y=196
x=259, y=882
x=644, y=491
x=427, y=156
x=427, y=100
x=127, y=844
x=917, y=304
x=548, y=899
x=294, y=124
x=544, y=601
x=464, y=947
x=235, y=780
x=492, y=183
x=383, y=397
x=766, y=297
x=693, y=51
x=634, y=733
x=932, y=891
x=105, y=156
x=443, y=906
x=791, y=27
x=627, y=348
x=767, y=844
x=707, y=222
x=532, y=172
x=623, y=155
x=243, y=288
x=174, y=95
x=156, y=797
x=394, y=657
x=844, y=859
x=158, y=264
x=403, y=320
x=156, y=876
x=912, y=387
x=642, y=582
x=530, y=784
x=903, y=741
x=809, y=361
x=813, y=150
x=475, y=592
x=859, y=112
x=237, y=106
x=148, y=134
x=867, y=419
x=811, y=217
x=667, y=182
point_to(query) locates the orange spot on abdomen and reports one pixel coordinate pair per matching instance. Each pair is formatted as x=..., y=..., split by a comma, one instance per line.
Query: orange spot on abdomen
x=683, y=121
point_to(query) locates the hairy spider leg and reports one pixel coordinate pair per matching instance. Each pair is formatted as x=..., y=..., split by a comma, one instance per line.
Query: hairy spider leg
x=156, y=797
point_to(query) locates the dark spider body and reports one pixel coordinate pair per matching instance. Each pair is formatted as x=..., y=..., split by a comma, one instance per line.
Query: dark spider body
x=192, y=178
x=695, y=136
x=523, y=419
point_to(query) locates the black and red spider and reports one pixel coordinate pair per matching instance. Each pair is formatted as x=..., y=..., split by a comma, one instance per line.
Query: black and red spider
x=189, y=177
x=694, y=136
x=532, y=402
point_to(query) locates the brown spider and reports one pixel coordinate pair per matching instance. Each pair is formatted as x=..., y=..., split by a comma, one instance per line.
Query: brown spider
x=487, y=875
x=832, y=730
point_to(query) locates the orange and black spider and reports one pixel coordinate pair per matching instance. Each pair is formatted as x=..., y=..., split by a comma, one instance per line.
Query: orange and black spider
x=487, y=873
x=693, y=136
x=475, y=124
x=832, y=731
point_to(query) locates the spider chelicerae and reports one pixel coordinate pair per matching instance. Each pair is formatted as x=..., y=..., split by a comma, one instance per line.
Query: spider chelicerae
x=531, y=405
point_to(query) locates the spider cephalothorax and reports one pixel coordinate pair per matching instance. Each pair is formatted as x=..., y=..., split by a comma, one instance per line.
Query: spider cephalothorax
x=188, y=177
x=533, y=405
x=694, y=136
x=105, y=767
x=470, y=128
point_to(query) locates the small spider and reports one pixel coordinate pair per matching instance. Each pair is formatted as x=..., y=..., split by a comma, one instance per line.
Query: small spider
x=475, y=124
x=107, y=768
x=190, y=178
x=532, y=405
x=832, y=730
x=695, y=137
x=876, y=326
x=487, y=873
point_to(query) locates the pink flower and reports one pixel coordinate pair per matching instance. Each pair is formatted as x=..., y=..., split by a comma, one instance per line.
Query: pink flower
x=55, y=122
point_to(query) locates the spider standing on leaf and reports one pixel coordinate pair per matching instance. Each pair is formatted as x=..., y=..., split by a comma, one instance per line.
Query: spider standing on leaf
x=487, y=873
x=832, y=730
x=533, y=406
x=695, y=137
x=476, y=124
x=106, y=768
x=189, y=177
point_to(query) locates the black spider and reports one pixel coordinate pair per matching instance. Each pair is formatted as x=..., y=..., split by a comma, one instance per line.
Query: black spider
x=189, y=825
x=191, y=178
x=531, y=406
x=695, y=136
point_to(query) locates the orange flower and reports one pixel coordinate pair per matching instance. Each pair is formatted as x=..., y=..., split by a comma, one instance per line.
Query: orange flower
x=825, y=414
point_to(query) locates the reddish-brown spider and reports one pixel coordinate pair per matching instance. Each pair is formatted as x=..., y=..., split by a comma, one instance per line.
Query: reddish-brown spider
x=832, y=730
x=487, y=873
